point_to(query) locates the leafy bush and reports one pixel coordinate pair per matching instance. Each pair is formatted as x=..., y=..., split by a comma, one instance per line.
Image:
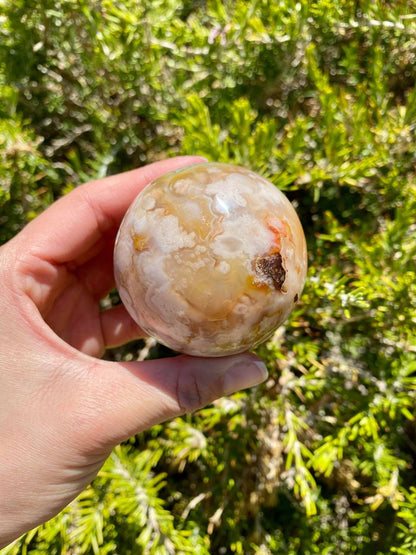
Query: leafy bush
x=319, y=97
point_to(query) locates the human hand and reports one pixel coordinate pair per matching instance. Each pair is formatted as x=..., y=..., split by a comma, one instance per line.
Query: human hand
x=62, y=409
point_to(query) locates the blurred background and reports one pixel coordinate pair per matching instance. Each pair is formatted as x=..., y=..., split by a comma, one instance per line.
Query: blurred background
x=319, y=97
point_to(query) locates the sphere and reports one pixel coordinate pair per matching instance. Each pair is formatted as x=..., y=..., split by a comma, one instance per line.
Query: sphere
x=210, y=259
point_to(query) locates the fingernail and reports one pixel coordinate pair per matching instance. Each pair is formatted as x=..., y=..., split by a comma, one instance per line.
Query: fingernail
x=244, y=374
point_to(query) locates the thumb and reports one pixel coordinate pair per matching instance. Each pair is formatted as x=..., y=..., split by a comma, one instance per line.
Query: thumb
x=131, y=397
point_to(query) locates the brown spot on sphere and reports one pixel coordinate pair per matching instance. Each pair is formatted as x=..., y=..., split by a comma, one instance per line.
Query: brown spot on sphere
x=271, y=268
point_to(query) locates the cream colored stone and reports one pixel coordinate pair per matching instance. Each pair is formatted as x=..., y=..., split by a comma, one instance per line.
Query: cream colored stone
x=210, y=259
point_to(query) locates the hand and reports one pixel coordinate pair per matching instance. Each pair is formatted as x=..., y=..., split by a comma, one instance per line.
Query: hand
x=62, y=409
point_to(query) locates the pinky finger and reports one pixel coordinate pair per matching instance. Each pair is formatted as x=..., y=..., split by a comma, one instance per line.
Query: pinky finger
x=118, y=327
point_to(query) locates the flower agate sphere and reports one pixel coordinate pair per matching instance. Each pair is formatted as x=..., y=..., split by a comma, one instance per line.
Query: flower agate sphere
x=210, y=259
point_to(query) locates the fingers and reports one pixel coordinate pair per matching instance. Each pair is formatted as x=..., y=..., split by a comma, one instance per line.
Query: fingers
x=97, y=273
x=72, y=226
x=118, y=327
x=131, y=397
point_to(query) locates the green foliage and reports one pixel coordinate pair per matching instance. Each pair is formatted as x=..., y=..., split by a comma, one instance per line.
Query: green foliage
x=122, y=513
x=320, y=98
x=22, y=170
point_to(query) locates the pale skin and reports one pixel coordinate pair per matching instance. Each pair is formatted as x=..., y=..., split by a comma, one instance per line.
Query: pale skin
x=62, y=408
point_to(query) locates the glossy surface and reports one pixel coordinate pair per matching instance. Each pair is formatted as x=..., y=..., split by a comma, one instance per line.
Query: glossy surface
x=210, y=259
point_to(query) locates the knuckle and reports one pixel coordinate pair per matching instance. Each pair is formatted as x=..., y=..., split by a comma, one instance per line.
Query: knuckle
x=188, y=392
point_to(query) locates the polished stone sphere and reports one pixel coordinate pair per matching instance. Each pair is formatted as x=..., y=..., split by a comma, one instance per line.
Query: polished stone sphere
x=210, y=259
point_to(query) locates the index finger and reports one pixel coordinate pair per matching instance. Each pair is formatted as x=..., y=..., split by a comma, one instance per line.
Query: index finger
x=71, y=226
